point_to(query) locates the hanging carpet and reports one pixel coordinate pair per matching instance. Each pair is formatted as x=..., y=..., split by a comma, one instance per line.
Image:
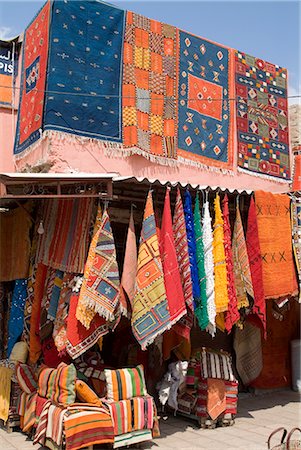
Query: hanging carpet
x=274, y=231
x=150, y=315
x=99, y=293
x=254, y=255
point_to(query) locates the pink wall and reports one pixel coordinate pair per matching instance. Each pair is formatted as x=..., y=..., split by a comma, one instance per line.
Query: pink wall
x=65, y=155
x=8, y=119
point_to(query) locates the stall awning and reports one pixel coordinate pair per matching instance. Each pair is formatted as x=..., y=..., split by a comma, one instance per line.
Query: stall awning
x=50, y=185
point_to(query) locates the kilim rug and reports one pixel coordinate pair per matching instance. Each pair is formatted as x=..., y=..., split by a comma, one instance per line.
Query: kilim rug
x=274, y=231
x=190, y=232
x=242, y=273
x=296, y=229
x=219, y=257
x=205, y=112
x=89, y=104
x=232, y=314
x=99, y=292
x=216, y=397
x=64, y=243
x=172, y=278
x=78, y=338
x=255, y=261
x=150, y=315
x=200, y=311
x=34, y=70
x=149, y=88
x=59, y=333
x=181, y=245
x=262, y=118
x=248, y=350
x=209, y=268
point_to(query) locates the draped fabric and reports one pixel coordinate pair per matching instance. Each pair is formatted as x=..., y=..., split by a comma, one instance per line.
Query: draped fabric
x=15, y=243
x=248, y=350
x=16, y=316
x=45, y=323
x=274, y=231
x=127, y=284
x=34, y=337
x=200, y=311
x=172, y=278
x=5, y=389
x=55, y=295
x=100, y=289
x=196, y=290
x=181, y=246
x=150, y=315
x=254, y=255
x=232, y=314
x=78, y=338
x=242, y=274
x=64, y=243
x=59, y=333
x=209, y=268
x=220, y=268
x=296, y=234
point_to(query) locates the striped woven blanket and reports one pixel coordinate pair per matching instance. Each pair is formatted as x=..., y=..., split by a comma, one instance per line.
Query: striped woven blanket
x=87, y=425
x=132, y=414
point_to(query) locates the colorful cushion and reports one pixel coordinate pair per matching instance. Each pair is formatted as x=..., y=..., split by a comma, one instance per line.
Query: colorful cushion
x=85, y=394
x=46, y=380
x=125, y=383
x=63, y=390
x=26, y=378
x=19, y=352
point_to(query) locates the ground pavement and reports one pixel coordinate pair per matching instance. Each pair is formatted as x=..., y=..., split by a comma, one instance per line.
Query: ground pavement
x=257, y=417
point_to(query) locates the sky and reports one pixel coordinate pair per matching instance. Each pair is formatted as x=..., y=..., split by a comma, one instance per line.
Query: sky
x=270, y=30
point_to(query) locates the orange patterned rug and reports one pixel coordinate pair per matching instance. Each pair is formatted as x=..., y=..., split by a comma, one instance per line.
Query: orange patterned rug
x=275, y=239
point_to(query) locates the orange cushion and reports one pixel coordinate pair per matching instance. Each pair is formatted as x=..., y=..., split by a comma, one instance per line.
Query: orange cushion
x=85, y=394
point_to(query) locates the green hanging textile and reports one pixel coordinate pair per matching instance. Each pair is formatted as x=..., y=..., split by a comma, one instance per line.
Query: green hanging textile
x=201, y=308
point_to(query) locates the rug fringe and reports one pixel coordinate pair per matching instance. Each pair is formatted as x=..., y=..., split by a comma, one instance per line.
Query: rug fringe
x=199, y=165
x=125, y=152
x=98, y=309
x=262, y=175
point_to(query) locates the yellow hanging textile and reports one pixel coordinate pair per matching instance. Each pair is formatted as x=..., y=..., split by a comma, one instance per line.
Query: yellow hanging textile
x=5, y=387
x=220, y=268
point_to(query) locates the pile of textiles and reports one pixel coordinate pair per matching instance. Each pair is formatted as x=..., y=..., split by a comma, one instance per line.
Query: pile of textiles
x=167, y=93
x=208, y=388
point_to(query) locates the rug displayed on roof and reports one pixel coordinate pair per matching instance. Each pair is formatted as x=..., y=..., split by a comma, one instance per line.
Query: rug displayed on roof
x=85, y=70
x=149, y=87
x=262, y=117
x=204, y=111
x=35, y=51
x=275, y=240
